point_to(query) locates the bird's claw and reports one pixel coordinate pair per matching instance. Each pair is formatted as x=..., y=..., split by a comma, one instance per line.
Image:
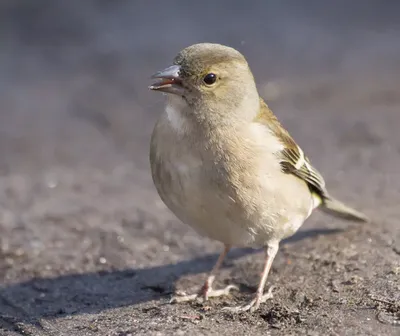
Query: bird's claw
x=203, y=295
x=253, y=305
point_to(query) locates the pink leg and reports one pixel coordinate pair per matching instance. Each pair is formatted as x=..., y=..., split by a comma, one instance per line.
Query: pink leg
x=207, y=291
x=260, y=297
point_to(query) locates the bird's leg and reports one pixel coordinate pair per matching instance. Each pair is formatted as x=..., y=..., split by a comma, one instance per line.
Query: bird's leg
x=260, y=297
x=206, y=290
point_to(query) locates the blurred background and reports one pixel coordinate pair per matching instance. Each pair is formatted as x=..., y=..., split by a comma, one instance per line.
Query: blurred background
x=76, y=116
x=74, y=74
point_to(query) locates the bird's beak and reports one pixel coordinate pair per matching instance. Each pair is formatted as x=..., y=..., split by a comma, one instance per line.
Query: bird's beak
x=169, y=81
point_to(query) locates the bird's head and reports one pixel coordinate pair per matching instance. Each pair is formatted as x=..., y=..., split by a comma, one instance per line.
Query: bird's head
x=210, y=78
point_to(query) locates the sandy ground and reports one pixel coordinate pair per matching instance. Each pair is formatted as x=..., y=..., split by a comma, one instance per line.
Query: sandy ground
x=86, y=246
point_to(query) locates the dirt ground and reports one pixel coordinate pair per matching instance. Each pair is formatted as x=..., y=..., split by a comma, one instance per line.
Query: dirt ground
x=87, y=247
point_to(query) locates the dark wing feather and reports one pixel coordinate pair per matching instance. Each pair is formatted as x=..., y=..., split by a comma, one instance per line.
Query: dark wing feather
x=306, y=172
x=293, y=160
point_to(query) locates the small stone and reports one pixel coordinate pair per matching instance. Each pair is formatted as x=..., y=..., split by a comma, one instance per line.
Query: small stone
x=395, y=270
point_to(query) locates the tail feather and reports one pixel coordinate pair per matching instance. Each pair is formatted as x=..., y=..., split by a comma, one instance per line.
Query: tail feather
x=339, y=209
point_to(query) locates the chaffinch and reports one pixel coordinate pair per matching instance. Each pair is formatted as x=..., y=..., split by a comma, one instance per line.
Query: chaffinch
x=223, y=164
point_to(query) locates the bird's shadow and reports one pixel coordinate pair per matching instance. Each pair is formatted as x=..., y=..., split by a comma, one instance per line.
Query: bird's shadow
x=39, y=298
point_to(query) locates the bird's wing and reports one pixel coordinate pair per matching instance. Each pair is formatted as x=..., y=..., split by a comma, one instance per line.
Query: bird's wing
x=293, y=160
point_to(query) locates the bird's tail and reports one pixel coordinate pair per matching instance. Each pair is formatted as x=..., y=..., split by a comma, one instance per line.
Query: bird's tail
x=338, y=209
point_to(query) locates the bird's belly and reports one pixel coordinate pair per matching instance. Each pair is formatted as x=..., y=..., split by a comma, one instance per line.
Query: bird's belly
x=208, y=207
x=201, y=204
x=247, y=213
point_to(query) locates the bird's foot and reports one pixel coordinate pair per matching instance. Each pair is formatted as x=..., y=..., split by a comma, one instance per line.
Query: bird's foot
x=254, y=304
x=204, y=294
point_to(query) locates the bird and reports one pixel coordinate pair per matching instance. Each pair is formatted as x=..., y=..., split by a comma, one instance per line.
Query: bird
x=224, y=165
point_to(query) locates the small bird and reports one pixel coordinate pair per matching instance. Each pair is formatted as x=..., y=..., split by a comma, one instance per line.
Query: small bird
x=223, y=164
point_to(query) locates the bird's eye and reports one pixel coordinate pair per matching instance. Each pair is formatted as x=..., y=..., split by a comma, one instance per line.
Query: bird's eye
x=210, y=79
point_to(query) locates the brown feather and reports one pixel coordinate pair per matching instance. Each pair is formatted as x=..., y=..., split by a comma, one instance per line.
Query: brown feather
x=292, y=154
x=293, y=161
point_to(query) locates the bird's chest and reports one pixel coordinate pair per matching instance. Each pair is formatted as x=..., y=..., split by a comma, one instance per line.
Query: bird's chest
x=183, y=171
x=180, y=176
x=197, y=198
x=184, y=174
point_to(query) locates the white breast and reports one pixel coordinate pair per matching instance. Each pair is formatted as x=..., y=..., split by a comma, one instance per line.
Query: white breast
x=175, y=111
